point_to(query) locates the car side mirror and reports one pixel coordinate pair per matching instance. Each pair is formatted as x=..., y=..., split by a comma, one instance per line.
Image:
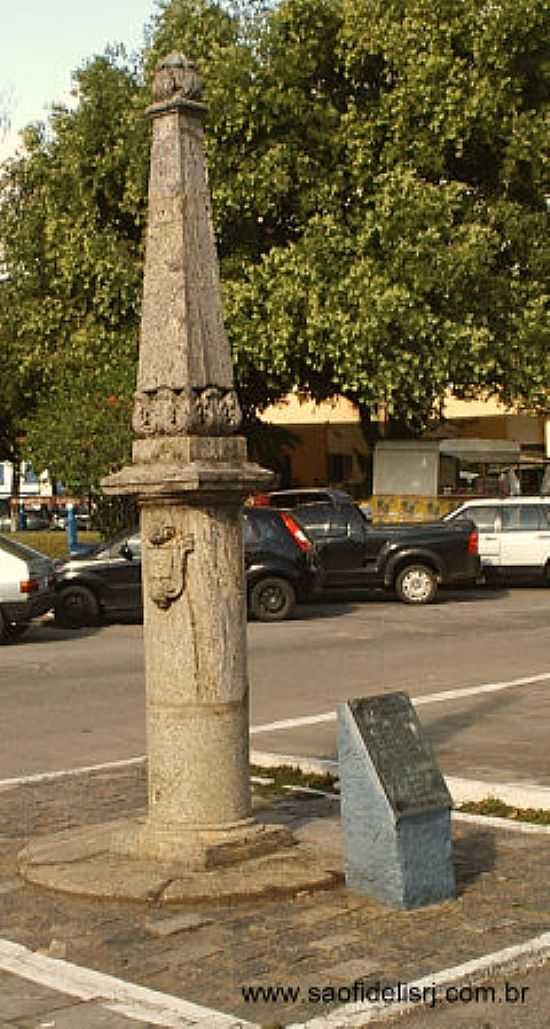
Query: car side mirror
x=125, y=551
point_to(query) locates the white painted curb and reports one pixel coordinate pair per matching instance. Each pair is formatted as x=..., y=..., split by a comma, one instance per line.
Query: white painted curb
x=137, y=1002
x=524, y=795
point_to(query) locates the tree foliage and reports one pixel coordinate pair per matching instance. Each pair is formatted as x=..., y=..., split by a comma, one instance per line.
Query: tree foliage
x=400, y=192
x=377, y=169
x=71, y=215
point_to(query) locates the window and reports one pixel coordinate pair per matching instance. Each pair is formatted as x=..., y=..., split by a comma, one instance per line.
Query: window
x=134, y=546
x=29, y=475
x=340, y=467
x=357, y=525
x=483, y=517
x=520, y=518
x=315, y=519
x=251, y=534
x=338, y=524
x=295, y=498
x=267, y=526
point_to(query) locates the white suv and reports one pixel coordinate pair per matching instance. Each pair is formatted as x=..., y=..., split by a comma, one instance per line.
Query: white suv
x=27, y=582
x=514, y=535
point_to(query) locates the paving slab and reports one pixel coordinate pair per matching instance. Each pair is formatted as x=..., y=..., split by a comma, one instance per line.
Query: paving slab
x=89, y=1015
x=20, y=999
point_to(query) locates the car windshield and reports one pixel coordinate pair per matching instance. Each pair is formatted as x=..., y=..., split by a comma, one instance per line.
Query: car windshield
x=113, y=545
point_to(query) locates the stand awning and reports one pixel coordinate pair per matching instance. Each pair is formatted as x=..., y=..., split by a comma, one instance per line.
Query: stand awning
x=482, y=451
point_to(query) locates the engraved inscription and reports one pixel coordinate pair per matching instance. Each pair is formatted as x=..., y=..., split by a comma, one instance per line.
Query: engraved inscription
x=400, y=752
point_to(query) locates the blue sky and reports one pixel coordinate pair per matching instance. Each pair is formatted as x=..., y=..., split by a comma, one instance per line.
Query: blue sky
x=43, y=41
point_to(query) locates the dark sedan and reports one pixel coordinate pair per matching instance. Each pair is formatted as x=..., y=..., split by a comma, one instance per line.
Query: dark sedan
x=280, y=565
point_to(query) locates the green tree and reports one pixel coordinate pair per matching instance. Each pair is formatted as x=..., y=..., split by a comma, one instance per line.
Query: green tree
x=71, y=215
x=398, y=178
x=83, y=429
x=377, y=169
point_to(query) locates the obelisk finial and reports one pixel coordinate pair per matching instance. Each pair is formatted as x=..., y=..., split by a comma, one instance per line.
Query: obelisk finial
x=176, y=77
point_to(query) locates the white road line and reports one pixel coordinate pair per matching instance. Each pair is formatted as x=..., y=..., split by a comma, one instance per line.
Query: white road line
x=523, y=956
x=138, y=1002
x=471, y=691
x=430, y=698
x=293, y=723
x=23, y=780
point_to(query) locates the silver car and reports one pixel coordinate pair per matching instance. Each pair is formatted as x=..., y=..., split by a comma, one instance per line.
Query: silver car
x=27, y=582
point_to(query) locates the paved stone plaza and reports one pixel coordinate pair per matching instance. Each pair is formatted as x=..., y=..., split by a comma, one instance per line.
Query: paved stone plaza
x=326, y=939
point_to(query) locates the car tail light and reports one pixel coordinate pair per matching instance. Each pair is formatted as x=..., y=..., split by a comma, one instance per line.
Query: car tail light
x=473, y=543
x=259, y=500
x=29, y=585
x=297, y=532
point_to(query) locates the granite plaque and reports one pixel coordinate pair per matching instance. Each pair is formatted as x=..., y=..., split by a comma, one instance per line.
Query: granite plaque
x=395, y=804
x=401, y=753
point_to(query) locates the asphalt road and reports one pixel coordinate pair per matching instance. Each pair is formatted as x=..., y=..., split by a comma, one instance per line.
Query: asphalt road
x=77, y=698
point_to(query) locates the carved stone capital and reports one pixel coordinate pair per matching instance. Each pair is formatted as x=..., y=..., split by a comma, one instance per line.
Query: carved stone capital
x=210, y=411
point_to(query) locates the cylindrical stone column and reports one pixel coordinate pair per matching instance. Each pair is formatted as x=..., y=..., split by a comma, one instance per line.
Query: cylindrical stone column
x=195, y=671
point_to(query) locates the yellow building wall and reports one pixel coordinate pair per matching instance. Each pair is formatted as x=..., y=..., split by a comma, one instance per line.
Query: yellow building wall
x=333, y=427
x=308, y=459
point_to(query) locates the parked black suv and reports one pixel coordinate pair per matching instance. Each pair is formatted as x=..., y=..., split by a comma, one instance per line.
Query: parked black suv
x=280, y=565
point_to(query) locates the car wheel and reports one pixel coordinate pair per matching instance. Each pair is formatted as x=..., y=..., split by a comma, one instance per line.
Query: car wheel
x=416, y=584
x=11, y=631
x=272, y=599
x=76, y=606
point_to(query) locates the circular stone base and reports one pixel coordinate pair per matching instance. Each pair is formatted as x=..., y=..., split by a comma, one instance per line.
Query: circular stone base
x=80, y=862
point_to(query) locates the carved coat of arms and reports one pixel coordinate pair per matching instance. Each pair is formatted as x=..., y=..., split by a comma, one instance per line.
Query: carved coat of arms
x=167, y=563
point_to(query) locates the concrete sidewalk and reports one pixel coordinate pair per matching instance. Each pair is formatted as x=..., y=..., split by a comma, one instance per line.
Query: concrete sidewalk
x=274, y=962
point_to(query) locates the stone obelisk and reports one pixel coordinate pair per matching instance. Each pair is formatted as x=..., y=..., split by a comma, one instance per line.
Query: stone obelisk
x=190, y=475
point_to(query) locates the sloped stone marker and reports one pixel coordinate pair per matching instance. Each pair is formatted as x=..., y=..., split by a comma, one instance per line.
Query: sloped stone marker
x=395, y=805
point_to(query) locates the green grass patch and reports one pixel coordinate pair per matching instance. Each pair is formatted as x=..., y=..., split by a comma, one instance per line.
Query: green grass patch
x=495, y=808
x=54, y=544
x=288, y=775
